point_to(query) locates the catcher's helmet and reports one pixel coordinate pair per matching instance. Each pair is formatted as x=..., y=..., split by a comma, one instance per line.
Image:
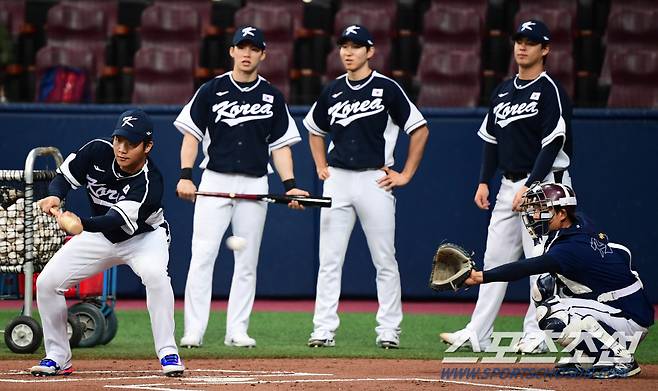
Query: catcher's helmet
x=540, y=202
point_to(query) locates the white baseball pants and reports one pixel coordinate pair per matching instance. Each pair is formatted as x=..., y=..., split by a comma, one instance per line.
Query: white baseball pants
x=356, y=193
x=90, y=253
x=507, y=240
x=212, y=216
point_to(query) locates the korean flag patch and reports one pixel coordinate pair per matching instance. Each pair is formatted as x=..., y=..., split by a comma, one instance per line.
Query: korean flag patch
x=268, y=98
x=377, y=92
x=535, y=96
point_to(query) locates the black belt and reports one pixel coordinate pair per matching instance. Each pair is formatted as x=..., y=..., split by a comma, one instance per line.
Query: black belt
x=516, y=176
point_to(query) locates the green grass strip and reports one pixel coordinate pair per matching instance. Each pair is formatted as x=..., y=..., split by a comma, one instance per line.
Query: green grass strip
x=284, y=335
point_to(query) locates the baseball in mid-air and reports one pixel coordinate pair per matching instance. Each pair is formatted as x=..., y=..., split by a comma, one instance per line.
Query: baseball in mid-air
x=236, y=243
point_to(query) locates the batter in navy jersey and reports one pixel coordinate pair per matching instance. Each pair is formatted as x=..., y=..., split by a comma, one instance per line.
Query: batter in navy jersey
x=127, y=226
x=239, y=118
x=591, y=287
x=362, y=112
x=527, y=135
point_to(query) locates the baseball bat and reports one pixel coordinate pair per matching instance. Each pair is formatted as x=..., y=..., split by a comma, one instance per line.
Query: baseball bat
x=320, y=202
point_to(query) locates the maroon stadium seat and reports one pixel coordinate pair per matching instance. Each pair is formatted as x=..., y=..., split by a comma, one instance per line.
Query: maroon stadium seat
x=453, y=28
x=171, y=26
x=202, y=7
x=276, y=69
x=76, y=57
x=12, y=15
x=276, y=22
x=76, y=25
x=163, y=75
x=449, y=78
x=634, y=79
x=629, y=27
x=294, y=8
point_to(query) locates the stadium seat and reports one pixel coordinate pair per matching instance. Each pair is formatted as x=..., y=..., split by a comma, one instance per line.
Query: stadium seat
x=634, y=79
x=276, y=22
x=12, y=15
x=171, y=26
x=76, y=57
x=453, y=28
x=276, y=69
x=448, y=78
x=202, y=7
x=163, y=76
x=76, y=25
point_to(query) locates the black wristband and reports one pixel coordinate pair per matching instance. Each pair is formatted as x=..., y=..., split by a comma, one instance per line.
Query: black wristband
x=289, y=184
x=186, y=173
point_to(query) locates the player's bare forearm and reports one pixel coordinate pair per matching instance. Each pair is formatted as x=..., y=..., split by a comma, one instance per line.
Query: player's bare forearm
x=475, y=278
x=282, y=158
x=188, y=151
x=416, y=148
x=319, y=152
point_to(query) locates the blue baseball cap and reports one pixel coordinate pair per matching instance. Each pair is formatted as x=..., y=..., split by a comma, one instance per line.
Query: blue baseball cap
x=135, y=125
x=249, y=34
x=357, y=34
x=534, y=30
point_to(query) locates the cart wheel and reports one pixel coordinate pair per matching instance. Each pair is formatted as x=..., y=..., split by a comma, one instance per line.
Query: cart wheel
x=73, y=330
x=23, y=335
x=92, y=321
x=111, y=328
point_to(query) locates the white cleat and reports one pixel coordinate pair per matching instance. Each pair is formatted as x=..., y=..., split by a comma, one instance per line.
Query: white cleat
x=190, y=342
x=531, y=345
x=463, y=339
x=240, y=340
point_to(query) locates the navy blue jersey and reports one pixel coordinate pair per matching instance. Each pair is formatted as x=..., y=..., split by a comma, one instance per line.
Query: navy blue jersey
x=238, y=125
x=363, y=121
x=136, y=197
x=524, y=117
x=591, y=266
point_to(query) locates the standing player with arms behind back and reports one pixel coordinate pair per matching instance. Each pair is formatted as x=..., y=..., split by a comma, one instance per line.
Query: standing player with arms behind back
x=363, y=112
x=127, y=227
x=240, y=117
x=527, y=134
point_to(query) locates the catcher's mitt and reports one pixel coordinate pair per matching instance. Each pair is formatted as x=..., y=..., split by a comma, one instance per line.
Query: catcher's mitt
x=451, y=267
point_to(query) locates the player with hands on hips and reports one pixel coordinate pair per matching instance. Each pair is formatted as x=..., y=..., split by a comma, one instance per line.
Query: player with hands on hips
x=127, y=227
x=240, y=118
x=527, y=136
x=590, y=286
x=362, y=112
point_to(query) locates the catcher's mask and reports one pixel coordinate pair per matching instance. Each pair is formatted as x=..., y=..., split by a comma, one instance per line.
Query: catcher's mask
x=540, y=203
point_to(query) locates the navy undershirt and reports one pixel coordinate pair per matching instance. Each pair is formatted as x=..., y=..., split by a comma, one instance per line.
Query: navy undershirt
x=516, y=270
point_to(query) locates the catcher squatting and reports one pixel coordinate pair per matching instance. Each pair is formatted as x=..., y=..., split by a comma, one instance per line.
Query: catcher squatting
x=586, y=294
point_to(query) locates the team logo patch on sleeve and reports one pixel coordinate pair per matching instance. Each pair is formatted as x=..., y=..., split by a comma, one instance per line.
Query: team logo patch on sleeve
x=377, y=92
x=535, y=96
x=268, y=98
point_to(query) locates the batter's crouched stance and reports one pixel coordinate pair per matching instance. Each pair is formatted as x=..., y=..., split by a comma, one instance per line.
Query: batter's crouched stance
x=591, y=295
x=240, y=118
x=527, y=136
x=362, y=111
x=127, y=227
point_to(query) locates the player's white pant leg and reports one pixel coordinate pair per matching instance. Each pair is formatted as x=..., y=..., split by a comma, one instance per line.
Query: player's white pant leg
x=147, y=255
x=247, y=222
x=83, y=256
x=530, y=325
x=211, y=219
x=375, y=208
x=504, y=244
x=336, y=224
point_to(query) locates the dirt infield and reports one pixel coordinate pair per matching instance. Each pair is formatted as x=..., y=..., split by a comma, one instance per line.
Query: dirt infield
x=315, y=374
